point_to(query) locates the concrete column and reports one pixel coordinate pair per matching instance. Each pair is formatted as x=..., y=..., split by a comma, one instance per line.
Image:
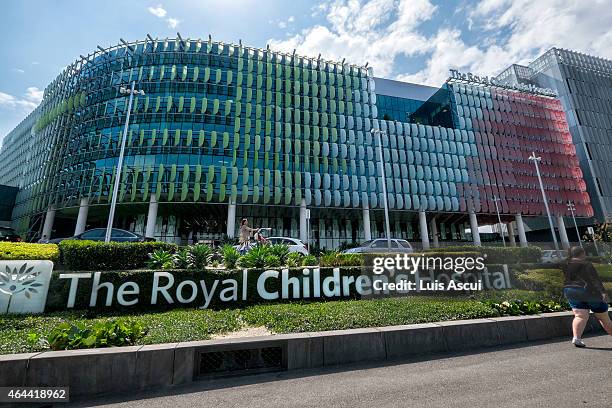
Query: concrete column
x=231, y=220
x=82, y=217
x=563, y=232
x=303, y=222
x=151, y=217
x=521, y=230
x=434, y=232
x=48, y=225
x=367, y=231
x=423, y=229
x=474, y=229
x=511, y=234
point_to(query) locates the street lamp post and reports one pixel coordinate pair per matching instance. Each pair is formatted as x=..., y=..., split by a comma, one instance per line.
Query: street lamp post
x=111, y=215
x=536, y=160
x=572, y=208
x=495, y=200
x=377, y=133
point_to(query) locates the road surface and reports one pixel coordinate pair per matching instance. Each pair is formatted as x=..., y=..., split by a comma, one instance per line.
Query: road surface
x=537, y=375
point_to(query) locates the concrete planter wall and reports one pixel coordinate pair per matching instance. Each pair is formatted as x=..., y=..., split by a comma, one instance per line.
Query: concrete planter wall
x=113, y=370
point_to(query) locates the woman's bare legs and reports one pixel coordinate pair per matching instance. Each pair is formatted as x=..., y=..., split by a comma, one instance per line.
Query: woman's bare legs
x=581, y=318
x=604, y=320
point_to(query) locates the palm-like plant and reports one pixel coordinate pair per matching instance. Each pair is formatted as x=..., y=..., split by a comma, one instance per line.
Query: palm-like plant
x=161, y=259
x=281, y=251
x=230, y=256
x=255, y=258
x=181, y=258
x=200, y=256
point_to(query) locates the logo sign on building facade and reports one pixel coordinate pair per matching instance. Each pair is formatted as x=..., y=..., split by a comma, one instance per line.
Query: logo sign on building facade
x=484, y=80
x=24, y=286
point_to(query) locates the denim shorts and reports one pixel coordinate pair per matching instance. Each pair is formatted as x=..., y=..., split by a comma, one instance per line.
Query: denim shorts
x=580, y=298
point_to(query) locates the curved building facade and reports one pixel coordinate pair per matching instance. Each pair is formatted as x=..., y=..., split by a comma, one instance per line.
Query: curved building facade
x=221, y=131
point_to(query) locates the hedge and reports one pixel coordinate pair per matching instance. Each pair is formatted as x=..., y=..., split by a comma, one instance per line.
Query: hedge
x=101, y=256
x=10, y=251
x=498, y=255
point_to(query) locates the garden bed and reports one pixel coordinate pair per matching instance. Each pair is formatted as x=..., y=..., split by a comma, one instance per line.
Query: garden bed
x=194, y=324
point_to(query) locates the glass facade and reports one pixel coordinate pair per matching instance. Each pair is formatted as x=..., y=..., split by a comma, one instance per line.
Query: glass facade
x=222, y=124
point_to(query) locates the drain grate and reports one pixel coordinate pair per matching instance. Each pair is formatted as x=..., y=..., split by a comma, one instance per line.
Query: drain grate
x=236, y=362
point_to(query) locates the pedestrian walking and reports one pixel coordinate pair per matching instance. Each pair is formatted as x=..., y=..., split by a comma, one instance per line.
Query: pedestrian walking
x=584, y=291
x=244, y=237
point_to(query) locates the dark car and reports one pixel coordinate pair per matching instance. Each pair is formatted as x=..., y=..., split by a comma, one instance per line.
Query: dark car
x=7, y=234
x=98, y=234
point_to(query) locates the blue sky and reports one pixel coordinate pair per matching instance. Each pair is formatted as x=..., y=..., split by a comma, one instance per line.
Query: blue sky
x=412, y=40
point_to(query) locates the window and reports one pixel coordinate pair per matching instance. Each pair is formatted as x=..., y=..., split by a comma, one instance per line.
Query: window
x=96, y=233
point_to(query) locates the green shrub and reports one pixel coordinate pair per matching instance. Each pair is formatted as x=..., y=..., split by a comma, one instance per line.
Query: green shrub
x=549, y=280
x=230, y=256
x=101, y=256
x=294, y=260
x=520, y=307
x=13, y=251
x=281, y=251
x=181, y=258
x=272, y=261
x=334, y=258
x=309, y=260
x=200, y=256
x=161, y=259
x=67, y=336
x=604, y=272
x=496, y=255
x=255, y=258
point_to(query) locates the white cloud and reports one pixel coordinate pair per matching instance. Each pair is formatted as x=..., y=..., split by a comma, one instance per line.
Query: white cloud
x=18, y=70
x=173, y=22
x=502, y=32
x=30, y=100
x=291, y=19
x=375, y=31
x=158, y=11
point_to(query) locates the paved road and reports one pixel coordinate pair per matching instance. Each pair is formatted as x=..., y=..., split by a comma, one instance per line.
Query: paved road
x=539, y=375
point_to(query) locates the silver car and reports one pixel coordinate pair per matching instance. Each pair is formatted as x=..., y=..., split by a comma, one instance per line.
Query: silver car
x=550, y=256
x=381, y=245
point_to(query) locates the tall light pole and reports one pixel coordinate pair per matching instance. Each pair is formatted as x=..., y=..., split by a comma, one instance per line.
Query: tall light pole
x=495, y=200
x=536, y=160
x=572, y=208
x=377, y=133
x=111, y=215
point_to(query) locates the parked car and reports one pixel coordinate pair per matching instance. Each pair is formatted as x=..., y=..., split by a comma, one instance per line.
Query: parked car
x=98, y=234
x=381, y=245
x=7, y=234
x=550, y=256
x=294, y=244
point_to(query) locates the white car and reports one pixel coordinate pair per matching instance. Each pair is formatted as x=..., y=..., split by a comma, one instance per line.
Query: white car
x=294, y=244
x=550, y=256
x=381, y=245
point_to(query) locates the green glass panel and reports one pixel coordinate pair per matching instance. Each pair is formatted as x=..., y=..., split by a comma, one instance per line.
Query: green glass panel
x=206, y=74
x=169, y=103
x=157, y=103
x=196, y=73
x=181, y=103
x=211, y=174
x=171, y=190
x=218, y=73
x=177, y=137
x=228, y=107
x=236, y=140
x=257, y=142
x=266, y=177
x=196, y=192
x=201, y=138
x=215, y=107
x=278, y=195
x=266, y=194
x=209, y=191
x=222, y=193
x=198, y=174
x=189, y=137
x=255, y=194
x=213, y=138
x=223, y=174
x=141, y=139
x=165, y=137
x=234, y=175
x=230, y=77
x=225, y=139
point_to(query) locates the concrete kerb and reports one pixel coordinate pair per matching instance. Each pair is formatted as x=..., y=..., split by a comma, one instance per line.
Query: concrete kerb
x=112, y=370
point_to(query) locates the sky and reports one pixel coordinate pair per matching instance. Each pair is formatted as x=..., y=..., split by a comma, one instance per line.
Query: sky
x=410, y=40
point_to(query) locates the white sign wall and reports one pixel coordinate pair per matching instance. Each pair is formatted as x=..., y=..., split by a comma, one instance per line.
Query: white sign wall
x=24, y=286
